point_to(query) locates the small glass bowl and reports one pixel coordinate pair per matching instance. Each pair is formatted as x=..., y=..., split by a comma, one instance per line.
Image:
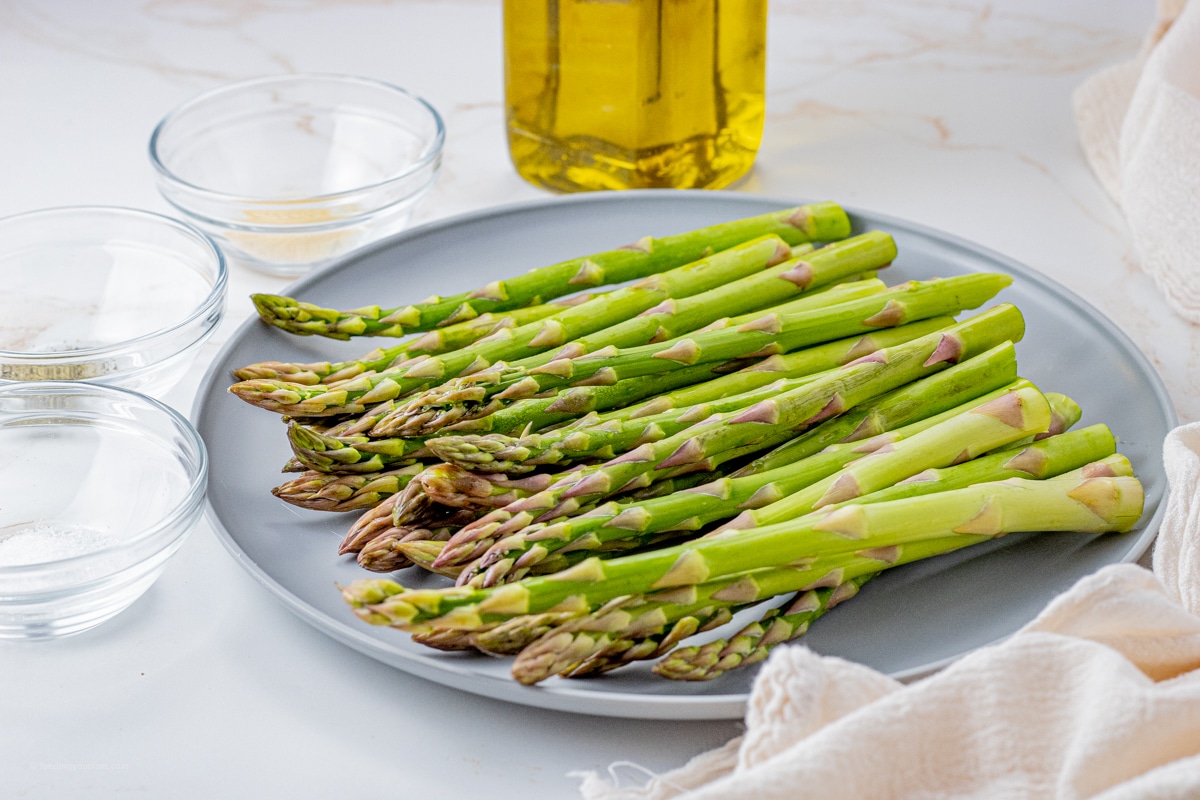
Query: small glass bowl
x=103, y=294
x=101, y=486
x=288, y=173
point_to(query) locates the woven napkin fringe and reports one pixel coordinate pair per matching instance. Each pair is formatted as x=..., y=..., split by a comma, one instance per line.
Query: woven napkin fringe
x=1097, y=697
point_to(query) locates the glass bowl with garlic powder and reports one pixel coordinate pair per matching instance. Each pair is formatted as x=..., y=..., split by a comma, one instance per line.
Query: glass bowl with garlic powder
x=110, y=295
x=100, y=487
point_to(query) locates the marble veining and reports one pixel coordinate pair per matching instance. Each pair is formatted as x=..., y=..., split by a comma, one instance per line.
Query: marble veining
x=952, y=113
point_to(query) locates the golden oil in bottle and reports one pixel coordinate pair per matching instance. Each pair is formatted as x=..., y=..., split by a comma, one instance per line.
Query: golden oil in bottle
x=624, y=94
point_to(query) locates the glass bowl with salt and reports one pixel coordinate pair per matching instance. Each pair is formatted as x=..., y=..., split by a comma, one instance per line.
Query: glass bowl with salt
x=100, y=487
x=106, y=294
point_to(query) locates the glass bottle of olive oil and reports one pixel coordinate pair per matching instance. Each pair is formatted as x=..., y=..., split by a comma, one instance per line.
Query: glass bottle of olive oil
x=623, y=94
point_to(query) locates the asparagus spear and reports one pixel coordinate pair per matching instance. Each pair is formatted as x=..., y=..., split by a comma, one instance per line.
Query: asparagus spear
x=325, y=492
x=422, y=552
x=441, y=340
x=462, y=489
x=648, y=256
x=358, y=453
x=869, y=423
x=786, y=622
x=369, y=524
x=386, y=552
x=605, y=441
x=512, y=636
x=658, y=625
x=773, y=332
x=535, y=337
x=511, y=557
x=536, y=413
x=1015, y=415
x=751, y=644
x=929, y=396
x=453, y=486
x=386, y=420
x=610, y=432
x=637, y=628
x=648, y=627
x=351, y=454
x=869, y=532
x=807, y=361
x=675, y=317
x=1065, y=413
x=1092, y=448
x=808, y=405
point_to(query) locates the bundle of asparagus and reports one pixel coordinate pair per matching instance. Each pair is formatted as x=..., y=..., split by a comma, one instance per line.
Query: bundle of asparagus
x=756, y=424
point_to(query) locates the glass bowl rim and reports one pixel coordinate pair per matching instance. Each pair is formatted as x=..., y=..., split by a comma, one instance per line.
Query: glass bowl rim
x=215, y=296
x=193, y=497
x=434, y=149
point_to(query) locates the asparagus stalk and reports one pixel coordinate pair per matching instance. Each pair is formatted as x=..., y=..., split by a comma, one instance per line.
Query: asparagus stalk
x=442, y=486
x=511, y=557
x=1092, y=448
x=535, y=337
x=371, y=523
x=351, y=454
x=445, y=488
x=929, y=396
x=680, y=315
x=753, y=643
x=648, y=627
x=581, y=644
x=422, y=552
x=787, y=622
x=648, y=256
x=1075, y=457
x=1065, y=413
x=639, y=627
x=386, y=552
x=1001, y=421
x=631, y=424
x=512, y=636
x=773, y=332
x=858, y=531
x=540, y=412
x=807, y=361
x=527, y=453
x=805, y=406
x=321, y=491
x=453, y=486
x=441, y=340
x=360, y=453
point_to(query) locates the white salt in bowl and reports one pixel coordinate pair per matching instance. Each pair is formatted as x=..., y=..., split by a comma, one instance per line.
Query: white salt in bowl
x=106, y=294
x=99, y=486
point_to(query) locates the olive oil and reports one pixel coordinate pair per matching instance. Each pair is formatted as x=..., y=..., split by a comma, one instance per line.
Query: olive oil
x=624, y=94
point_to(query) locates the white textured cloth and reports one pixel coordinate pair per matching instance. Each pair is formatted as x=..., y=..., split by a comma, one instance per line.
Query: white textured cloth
x=1099, y=697
x=1139, y=124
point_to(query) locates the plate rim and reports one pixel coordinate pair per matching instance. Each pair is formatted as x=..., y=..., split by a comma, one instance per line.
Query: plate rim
x=623, y=704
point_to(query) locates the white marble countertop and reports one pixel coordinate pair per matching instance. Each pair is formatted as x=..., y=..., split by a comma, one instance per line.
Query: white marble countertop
x=952, y=114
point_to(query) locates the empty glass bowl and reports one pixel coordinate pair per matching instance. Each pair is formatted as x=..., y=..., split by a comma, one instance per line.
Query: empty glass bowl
x=100, y=487
x=110, y=295
x=288, y=173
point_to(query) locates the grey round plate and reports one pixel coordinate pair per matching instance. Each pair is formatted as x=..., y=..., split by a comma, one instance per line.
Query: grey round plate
x=906, y=623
